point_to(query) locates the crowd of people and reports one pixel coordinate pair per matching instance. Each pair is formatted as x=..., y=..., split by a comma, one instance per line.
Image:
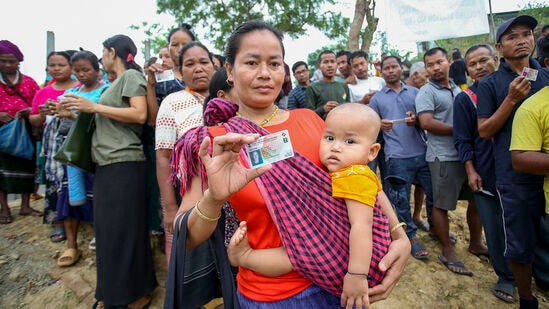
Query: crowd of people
x=331, y=226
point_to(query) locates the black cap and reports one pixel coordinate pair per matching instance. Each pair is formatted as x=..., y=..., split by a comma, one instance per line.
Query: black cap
x=519, y=20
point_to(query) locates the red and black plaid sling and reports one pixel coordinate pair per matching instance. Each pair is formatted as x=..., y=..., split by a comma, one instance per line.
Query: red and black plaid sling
x=313, y=226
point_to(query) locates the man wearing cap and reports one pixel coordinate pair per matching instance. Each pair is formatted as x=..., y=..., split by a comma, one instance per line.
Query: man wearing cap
x=521, y=194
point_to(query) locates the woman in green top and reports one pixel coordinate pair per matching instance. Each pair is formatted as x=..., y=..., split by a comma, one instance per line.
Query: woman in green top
x=125, y=274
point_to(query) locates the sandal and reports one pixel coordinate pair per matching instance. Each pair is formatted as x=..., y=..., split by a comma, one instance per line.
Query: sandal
x=6, y=219
x=422, y=225
x=142, y=303
x=504, y=291
x=58, y=234
x=479, y=254
x=69, y=257
x=453, y=238
x=456, y=267
x=32, y=212
x=417, y=249
x=98, y=305
x=36, y=196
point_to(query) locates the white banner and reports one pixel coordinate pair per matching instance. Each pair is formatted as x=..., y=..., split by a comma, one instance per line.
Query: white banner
x=425, y=20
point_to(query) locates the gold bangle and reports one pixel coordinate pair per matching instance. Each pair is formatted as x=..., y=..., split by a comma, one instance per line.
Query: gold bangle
x=357, y=274
x=202, y=215
x=394, y=228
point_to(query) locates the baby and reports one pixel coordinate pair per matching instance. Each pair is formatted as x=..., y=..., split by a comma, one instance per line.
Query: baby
x=347, y=145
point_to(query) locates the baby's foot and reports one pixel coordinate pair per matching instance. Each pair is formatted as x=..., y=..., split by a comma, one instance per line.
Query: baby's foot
x=239, y=247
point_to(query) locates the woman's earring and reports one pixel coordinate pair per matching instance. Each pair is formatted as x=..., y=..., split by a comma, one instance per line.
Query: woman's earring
x=229, y=82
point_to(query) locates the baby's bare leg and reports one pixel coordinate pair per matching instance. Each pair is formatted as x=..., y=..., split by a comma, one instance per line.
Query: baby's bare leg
x=239, y=247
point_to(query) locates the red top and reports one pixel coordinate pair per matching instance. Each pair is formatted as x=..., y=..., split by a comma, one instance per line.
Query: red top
x=305, y=129
x=11, y=102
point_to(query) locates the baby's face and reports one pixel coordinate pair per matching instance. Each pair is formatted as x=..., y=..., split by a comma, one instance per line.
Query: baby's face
x=347, y=140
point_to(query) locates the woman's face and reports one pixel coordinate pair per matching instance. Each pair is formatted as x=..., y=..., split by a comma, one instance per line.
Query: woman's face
x=177, y=40
x=167, y=62
x=8, y=64
x=84, y=72
x=258, y=72
x=197, y=69
x=108, y=59
x=59, y=68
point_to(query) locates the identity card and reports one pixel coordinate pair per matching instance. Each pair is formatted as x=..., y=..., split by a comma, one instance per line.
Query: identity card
x=530, y=74
x=403, y=120
x=270, y=149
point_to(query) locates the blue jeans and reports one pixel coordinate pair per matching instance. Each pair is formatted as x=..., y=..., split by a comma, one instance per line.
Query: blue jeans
x=311, y=297
x=400, y=175
x=380, y=161
x=491, y=215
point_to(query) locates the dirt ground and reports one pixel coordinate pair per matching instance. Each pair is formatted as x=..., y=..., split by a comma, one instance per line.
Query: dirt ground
x=30, y=278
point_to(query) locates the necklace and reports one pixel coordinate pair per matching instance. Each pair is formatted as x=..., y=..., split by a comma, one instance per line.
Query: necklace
x=266, y=120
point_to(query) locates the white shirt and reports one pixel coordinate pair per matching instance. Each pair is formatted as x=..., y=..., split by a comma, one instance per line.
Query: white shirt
x=364, y=86
x=179, y=112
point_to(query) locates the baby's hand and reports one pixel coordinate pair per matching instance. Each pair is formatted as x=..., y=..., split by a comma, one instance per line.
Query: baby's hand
x=355, y=292
x=239, y=247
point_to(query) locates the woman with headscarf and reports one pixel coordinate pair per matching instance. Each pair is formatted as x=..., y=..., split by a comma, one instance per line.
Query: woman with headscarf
x=16, y=93
x=125, y=273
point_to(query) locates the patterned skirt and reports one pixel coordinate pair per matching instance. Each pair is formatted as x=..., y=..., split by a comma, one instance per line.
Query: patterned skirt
x=16, y=174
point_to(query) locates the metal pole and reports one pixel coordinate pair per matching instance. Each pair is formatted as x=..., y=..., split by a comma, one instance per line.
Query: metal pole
x=50, y=46
x=492, y=24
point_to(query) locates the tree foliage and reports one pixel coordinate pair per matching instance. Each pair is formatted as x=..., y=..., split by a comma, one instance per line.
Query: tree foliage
x=534, y=8
x=157, y=37
x=312, y=58
x=220, y=17
x=385, y=47
x=538, y=10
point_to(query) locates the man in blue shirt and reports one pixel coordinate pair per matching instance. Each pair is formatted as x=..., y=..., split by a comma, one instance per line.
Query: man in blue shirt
x=298, y=96
x=476, y=154
x=404, y=147
x=522, y=199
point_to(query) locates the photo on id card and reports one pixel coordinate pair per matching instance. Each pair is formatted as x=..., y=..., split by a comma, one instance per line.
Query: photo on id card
x=269, y=149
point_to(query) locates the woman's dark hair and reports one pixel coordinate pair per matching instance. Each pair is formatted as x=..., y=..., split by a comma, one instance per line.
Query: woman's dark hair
x=65, y=53
x=220, y=58
x=188, y=46
x=233, y=42
x=86, y=55
x=182, y=27
x=218, y=82
x=125, y=49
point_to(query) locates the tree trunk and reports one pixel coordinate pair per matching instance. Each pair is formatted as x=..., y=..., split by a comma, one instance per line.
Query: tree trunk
x=368, y=34
x=356, y=25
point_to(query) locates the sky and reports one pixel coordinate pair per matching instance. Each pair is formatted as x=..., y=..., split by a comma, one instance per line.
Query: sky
x=86, y=24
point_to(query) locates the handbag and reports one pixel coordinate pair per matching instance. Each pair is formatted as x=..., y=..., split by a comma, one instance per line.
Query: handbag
x=194, y=276
x=15, y=140
x=76, y=149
